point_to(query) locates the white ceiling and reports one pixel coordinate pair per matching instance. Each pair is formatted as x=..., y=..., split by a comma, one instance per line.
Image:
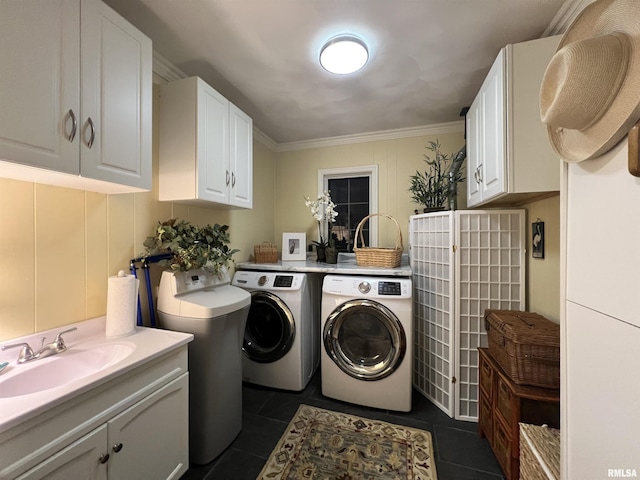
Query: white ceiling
x=427, y=57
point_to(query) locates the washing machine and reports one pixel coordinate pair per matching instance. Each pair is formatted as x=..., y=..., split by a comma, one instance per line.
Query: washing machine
x=281, y=337
x=367, y=341
x=206, y=305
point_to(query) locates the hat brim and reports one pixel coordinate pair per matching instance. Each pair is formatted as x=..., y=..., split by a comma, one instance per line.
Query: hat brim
x=604, y=17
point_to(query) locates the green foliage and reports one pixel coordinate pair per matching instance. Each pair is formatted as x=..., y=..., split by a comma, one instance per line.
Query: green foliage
x=432, y=188
x=191, y=246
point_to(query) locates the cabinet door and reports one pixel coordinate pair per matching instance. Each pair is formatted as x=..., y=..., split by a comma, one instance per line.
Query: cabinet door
x=80, y=460
x=213, y=173
x=150, y=440
x=474, y=154
x=493, y=130
x=39, y=86
x=116, y=124
x=240, y=158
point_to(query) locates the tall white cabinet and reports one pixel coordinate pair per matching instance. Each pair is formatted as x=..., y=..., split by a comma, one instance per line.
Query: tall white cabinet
x=508, y=155
x=463, y=262
x=76, y=96
x=601, y=327
x=206, y=146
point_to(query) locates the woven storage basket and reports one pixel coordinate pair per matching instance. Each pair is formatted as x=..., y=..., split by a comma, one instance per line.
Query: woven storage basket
x=526, y=345
x=374, y=256
x=265, y=253
x=539, y=452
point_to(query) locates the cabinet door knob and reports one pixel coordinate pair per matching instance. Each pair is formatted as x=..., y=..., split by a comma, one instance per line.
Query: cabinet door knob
x=233, y=179
x=74, y=125
x=117, y=447
x=104, y=458
x=227, y=178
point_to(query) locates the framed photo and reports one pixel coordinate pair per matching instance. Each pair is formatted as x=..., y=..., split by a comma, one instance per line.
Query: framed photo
x=537, y=239
x=294, y=246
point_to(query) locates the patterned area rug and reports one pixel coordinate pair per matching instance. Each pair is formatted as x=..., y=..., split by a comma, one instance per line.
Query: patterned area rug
x=321, y=445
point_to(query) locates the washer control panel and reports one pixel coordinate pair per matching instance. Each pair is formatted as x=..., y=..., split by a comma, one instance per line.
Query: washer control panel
x=269, y=280
x=195, y=280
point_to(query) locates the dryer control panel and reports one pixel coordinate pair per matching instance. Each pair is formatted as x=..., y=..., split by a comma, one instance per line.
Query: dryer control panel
x=367, y=287
x=389, y=288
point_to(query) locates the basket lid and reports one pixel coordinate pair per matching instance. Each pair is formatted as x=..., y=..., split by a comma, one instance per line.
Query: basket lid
x=523, y=327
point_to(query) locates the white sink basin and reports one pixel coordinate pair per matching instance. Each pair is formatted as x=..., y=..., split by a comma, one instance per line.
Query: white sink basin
x=60, y=369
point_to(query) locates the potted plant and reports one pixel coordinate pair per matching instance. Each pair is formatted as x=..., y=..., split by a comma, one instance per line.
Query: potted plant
x=436, y=188
x=191, y=247
x=323, y=210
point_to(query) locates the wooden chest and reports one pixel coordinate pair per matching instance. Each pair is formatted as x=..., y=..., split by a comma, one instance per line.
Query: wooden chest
x=504, y=404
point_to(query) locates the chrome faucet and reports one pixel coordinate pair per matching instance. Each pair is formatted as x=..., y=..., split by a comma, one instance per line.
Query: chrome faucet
x=27, y=354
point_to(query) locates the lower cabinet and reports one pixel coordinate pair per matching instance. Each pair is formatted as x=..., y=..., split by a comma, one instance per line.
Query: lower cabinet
x=134, y=426
x=146, y=441
x=81, y=459
x=504, y=404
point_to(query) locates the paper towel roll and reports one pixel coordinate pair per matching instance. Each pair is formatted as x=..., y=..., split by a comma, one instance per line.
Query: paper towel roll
x=122, y=303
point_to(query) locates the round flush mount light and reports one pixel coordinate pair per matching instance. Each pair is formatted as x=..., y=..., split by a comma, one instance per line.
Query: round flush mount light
x=344, y=54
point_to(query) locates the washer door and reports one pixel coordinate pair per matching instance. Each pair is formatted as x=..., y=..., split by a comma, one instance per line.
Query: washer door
x=270, y=329
x=365, y=339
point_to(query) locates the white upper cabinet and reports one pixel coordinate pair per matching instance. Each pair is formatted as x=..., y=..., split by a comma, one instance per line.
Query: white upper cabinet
x=509, y=157
x=76, y=92
x=206, y=147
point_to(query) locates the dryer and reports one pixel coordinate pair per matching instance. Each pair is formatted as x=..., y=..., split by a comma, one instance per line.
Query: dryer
x=281, y=337
x=367, y=341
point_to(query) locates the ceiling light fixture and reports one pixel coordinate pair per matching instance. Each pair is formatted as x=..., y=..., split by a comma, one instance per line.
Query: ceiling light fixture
x=344, y=54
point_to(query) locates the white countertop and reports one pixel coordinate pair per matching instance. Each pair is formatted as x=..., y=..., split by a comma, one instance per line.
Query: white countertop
x=147, y=344
x=346, y=266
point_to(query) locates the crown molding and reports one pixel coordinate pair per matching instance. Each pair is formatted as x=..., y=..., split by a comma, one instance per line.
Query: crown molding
x=440, y=128
x=262, y=138
x=165, y=69
x=567, y=14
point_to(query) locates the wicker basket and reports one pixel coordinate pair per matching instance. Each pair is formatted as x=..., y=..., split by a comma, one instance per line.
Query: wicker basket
x=526, y=345
x=265, y=253
x=539, y=452
x=378, y=257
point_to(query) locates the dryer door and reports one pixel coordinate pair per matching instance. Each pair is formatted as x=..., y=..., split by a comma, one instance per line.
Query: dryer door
x=365, y=339
x=270, y=329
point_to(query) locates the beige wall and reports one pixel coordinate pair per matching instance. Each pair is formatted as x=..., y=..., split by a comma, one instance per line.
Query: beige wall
x=543, y=279
x=297, y=176
x=58, y=246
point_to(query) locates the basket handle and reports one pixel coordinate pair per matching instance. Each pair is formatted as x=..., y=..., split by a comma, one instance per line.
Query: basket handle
x=398, y=245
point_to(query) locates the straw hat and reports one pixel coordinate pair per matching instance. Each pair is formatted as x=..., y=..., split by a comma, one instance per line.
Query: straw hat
x=590, y=93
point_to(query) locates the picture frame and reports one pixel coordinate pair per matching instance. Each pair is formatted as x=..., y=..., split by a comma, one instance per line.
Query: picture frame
x=294, y=246
x=537, y=239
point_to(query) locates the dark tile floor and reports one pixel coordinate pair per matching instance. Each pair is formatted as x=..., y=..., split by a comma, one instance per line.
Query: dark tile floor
x=459, y=452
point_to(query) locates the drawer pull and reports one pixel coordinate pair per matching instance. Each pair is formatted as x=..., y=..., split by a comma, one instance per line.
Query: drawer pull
x=104, y=458
x=117, y=447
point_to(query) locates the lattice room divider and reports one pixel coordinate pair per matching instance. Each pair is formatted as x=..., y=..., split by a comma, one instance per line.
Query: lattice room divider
x=463, y=262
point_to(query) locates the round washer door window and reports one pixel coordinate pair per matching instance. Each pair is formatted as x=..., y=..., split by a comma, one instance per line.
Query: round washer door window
x=270, y=328
x=365, y=339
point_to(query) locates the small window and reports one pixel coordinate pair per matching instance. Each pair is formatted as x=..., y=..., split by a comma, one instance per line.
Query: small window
x=354, y=191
